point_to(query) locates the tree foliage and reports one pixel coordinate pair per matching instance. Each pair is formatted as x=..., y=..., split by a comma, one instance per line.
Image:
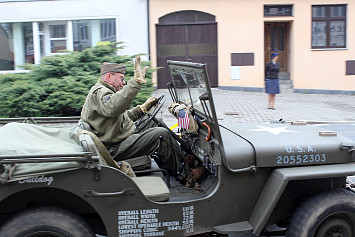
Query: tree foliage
x=59, y=85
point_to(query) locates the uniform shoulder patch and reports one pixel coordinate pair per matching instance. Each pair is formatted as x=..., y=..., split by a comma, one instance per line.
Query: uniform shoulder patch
x=106, y=98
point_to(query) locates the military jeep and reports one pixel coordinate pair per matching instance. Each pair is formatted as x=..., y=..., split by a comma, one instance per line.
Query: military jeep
x=59, y=182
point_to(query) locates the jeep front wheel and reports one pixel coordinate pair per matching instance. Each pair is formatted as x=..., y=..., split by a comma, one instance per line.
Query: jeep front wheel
x=331, y=214
x=46, y=222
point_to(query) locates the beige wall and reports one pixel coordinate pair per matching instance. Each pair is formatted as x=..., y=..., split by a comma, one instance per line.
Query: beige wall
x=241, y=30
x=321, y=69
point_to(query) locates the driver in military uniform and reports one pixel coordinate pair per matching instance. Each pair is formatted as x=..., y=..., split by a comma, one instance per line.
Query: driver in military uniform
x=105, y=110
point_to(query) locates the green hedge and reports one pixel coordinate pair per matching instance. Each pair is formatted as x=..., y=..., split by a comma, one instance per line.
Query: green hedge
x=59, y=85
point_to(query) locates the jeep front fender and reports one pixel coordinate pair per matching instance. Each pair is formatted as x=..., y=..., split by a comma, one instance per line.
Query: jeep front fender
x=278, y=181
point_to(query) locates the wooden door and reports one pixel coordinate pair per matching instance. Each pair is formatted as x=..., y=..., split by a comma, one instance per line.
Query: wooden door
x=187, y=42
x=277, y=40
x=170, y=46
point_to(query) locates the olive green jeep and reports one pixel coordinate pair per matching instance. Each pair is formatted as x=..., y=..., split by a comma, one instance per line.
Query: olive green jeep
x=61, y=182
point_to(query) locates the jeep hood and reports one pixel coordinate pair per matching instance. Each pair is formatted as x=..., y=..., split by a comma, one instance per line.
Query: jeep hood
x=269, y=145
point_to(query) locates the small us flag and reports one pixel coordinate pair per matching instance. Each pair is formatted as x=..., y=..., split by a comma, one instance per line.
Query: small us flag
x=183, y=119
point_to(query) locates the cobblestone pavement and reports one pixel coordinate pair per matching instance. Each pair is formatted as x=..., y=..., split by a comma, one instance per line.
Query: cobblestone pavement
x=244, y=107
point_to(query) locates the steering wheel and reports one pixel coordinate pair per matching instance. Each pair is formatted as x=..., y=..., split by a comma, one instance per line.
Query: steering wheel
x=146, y=118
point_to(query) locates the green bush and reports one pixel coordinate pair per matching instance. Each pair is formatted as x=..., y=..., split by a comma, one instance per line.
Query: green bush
x=59, y=85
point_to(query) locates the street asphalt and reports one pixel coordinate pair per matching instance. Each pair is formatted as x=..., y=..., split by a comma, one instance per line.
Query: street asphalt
x=251, y=107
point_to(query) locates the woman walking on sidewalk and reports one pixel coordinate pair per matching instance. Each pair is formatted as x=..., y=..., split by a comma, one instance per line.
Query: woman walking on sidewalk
x=272, y=87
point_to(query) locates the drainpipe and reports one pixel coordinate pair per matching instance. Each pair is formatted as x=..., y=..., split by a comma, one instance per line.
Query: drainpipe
x=148, y=30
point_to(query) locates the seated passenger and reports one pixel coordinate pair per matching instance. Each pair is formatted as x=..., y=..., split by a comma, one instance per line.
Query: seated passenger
x=105, y=109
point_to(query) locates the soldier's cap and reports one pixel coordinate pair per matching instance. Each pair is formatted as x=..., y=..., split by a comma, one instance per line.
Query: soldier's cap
x=112, y=67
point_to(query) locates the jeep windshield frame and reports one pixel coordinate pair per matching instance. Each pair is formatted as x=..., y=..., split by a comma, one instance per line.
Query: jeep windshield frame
x=190, y=85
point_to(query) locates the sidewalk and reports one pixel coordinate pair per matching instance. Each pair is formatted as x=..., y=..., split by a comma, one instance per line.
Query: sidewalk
x=244, y=107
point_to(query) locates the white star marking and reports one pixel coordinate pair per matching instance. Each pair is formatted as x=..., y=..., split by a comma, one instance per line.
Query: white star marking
x=275, y=130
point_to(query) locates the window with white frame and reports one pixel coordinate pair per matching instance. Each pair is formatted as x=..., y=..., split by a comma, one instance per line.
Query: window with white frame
x=6, y=47
x=328, y=26
x=28, y=37
x=82, y=34
x=22, y=43
x=108, y=30
x=58, y=40
x=41, y=38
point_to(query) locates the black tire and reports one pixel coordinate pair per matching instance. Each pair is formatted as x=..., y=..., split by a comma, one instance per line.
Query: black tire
x=328, y=214
x=46, y=222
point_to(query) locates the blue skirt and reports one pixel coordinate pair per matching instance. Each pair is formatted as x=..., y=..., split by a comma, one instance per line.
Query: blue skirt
x=272, y=86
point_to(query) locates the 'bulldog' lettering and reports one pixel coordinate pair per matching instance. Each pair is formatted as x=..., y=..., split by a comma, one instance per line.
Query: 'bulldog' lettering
x=37, y=179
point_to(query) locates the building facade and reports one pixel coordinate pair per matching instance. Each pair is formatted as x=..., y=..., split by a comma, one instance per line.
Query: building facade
x=30, y=30
x=315, y=39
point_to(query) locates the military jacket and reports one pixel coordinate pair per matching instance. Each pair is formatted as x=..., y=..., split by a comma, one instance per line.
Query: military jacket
x=105, y=109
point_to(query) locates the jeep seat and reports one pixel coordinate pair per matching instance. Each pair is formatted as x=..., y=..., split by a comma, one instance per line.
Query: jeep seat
x=152, y=187
x=137, y=163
